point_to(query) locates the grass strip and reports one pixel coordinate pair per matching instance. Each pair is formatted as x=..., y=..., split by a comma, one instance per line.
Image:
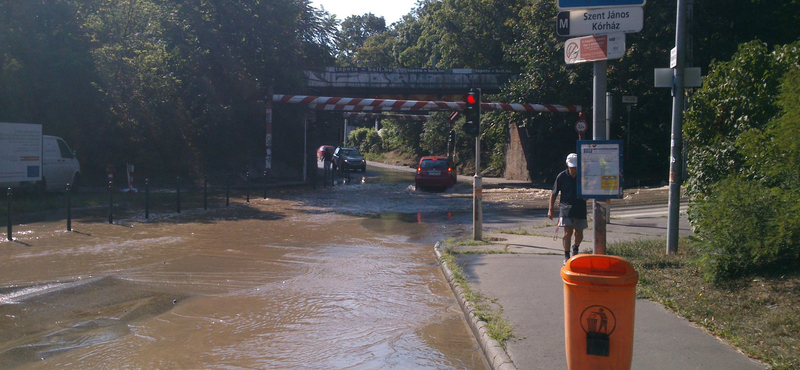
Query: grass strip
x=497, y=328
x=759, y=315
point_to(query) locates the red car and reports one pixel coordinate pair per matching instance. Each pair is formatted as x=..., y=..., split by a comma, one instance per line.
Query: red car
x=435, y=172
x=321, y=150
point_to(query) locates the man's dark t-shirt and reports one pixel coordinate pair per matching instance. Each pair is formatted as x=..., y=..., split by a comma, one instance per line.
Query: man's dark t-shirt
x=568, y=187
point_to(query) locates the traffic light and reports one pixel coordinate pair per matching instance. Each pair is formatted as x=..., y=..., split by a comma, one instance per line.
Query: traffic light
x=472, y=112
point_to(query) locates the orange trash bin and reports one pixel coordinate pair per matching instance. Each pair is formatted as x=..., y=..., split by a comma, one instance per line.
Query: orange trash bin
x=599, y=308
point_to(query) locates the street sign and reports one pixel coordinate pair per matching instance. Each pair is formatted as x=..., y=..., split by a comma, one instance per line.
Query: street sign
x=591, y=48
x=673, y=58
x=590, y=4
x=691, y=77
x=600, y=21
x=580, y=126
x=630, y=100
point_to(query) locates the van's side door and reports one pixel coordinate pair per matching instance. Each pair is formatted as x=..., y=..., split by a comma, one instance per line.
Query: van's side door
x=54, y=167
x=68, y=161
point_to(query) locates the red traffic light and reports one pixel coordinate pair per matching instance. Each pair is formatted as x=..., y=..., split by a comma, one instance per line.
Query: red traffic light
x=471, y=99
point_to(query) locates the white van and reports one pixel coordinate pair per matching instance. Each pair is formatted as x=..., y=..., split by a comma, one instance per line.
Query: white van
x=59, y=165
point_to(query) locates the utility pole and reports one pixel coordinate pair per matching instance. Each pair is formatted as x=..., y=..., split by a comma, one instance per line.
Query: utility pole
x=676, y=142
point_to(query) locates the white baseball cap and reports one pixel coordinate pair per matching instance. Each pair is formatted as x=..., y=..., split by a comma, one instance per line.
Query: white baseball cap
x=572, y=160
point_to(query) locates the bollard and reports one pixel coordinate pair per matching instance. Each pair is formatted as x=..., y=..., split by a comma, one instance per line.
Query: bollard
x=110, y=205
x=227, y=190
x=8, y=212
x=178, y=184
x=147, y=198
x=248, y=186
x=205, y=192
x=265, y=184
x=69, y=209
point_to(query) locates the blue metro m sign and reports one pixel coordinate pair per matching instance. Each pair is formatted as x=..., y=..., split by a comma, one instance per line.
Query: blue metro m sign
x=590, y=4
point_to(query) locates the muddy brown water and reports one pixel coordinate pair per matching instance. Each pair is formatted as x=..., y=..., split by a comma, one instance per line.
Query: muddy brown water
x=331, y=279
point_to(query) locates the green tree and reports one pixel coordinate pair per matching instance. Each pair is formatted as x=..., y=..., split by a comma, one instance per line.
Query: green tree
x=356, y=29
x=737, y=96
x=747, y=117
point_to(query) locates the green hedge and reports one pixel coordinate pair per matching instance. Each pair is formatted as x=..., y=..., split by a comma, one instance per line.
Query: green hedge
x=748, y=228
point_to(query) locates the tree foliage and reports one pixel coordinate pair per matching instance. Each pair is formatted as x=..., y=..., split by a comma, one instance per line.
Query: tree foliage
x=745, y=129
x=738, y=96
x=172, y=86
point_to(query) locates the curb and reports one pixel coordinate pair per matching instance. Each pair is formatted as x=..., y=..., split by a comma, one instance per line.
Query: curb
x=495, y=355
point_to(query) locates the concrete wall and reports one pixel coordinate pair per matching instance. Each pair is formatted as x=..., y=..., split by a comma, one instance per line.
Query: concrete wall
x=516, y=157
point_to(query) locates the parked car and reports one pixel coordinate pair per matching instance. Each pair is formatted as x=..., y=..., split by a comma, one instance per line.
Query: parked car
x=348, y=159
x=322, y=149
x=435, y=172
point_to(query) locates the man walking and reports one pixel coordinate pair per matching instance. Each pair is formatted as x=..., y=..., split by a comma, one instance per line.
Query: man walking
x=572, y=210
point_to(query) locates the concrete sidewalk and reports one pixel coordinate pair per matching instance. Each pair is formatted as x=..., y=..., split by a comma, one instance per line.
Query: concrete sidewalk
x=529, y=288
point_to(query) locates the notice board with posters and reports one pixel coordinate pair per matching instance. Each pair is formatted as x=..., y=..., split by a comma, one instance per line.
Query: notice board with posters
x=599, y=169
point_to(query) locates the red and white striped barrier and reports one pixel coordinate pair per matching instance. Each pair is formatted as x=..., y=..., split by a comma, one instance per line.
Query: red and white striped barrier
x=325, y=103
x=399, y=117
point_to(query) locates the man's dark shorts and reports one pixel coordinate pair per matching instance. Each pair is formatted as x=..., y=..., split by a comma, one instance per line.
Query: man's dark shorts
x=575, y=223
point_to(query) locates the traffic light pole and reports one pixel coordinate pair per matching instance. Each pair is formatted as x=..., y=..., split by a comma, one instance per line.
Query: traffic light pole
x=477, y=194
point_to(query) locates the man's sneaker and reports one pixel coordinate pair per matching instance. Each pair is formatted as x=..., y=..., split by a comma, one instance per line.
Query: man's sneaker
x=566, y=258
x=575, y=250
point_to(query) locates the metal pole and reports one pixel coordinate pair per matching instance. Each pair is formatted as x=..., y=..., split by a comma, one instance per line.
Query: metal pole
x=146, y=198
x=205, y=191
x=676, y=143
x=305, y=151
x=110, y=204
x=477, y=194
x=599, y=84
x=609, y=118
x=227, y=190
x=247, y=176
x=265, y=184
x=8, y=213
x=178, y=183
x=628, y=140
x=69, y=209
x=268, y=158
x=344, y=134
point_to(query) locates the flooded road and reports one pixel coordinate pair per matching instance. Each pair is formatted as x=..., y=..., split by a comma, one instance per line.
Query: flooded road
x=341, y=278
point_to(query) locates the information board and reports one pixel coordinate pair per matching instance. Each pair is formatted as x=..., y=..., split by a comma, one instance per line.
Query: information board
x=592, y=48
x=599, y=169
x=590, y=4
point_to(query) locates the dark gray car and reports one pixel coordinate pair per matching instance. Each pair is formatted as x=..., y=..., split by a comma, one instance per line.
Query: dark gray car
x=348, y=159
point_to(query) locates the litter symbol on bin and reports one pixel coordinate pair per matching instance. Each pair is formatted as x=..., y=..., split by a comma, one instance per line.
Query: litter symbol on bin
x=598, y=319
x=598, y=322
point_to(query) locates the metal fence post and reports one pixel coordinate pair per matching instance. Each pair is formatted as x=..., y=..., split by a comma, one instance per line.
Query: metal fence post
x=205, y=192
x=227, y=190
x=178, y=184
x=69, y=209
x=110, y=204
x=248, y=186
x=265, y=184
x=8, y=212
x=146, y=198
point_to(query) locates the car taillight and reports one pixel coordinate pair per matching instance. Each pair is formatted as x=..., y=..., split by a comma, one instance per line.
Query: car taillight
x=419, y=169
x=450, y=169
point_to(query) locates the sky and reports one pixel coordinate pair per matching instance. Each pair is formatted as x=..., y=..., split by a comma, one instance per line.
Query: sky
x=391, y=10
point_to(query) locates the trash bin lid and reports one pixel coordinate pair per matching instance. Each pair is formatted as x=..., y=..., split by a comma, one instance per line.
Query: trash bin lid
x=603, y=270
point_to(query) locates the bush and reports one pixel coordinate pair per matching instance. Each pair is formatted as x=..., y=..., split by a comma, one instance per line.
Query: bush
x=747, y=228
x=366, y=140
